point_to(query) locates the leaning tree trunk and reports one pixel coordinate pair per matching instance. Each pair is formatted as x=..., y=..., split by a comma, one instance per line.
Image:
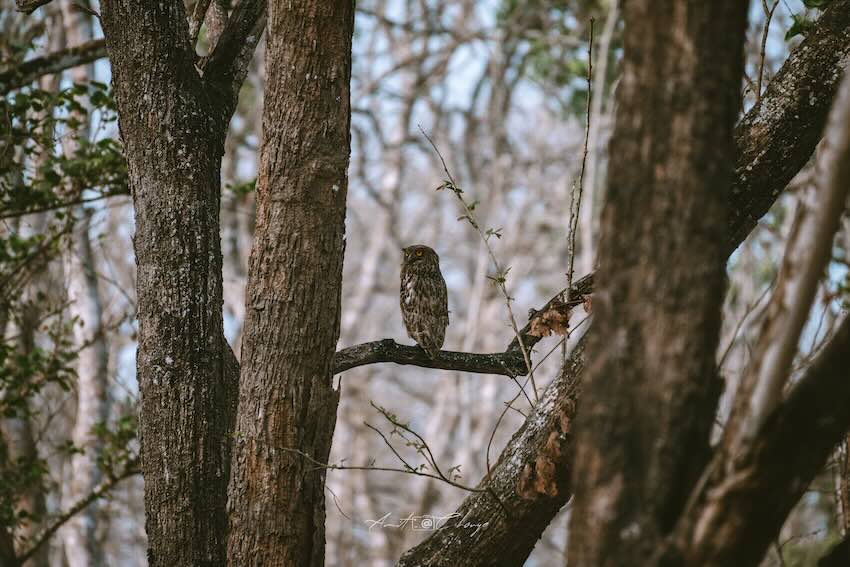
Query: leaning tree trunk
x=643, y=427
x=287, y=404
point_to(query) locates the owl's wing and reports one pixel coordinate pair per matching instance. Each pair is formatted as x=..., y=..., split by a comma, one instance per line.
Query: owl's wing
x=443, y=301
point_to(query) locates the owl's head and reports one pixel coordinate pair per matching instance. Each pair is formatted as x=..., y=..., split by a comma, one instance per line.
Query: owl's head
x=420, y=255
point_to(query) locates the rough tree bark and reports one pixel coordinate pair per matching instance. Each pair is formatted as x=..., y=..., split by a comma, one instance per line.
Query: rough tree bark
x=651, y=386
x=782, y=128
x=530, y=480
x=173, y=119
x=286, y=396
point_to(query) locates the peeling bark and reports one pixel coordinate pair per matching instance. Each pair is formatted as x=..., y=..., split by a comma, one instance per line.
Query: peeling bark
x=531, y=480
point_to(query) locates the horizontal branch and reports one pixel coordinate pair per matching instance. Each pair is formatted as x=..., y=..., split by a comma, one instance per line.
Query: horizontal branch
x=30, y=6
x=508, y=363
x=56, y=62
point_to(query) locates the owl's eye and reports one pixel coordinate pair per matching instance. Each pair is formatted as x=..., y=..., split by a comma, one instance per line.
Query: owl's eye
x=419, y=252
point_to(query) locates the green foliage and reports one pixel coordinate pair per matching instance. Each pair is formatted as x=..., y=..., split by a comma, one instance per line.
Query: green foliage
x=25, y=372
x=118, y=443
x=241, y=189
x=34, y=176
x=552, y=40
x=801, y=24
x=41, y=172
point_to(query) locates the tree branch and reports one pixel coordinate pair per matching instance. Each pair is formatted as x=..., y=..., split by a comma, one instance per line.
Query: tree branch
x=734, y=522
x=509, y=363
x=805, y=260
x=530, y=479
x=30, y=6
x=777, y=136
x=31, y=70
x=227, y=65
x=131, y=469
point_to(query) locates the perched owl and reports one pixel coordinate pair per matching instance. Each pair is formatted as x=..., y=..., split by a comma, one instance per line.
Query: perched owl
x=424, y=303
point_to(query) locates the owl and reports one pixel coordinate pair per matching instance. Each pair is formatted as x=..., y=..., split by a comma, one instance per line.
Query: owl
x=424, y=302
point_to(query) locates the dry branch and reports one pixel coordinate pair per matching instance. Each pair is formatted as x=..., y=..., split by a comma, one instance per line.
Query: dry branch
x=57, y=62
x=733, y=522
x=30, y=6
x=509, y=363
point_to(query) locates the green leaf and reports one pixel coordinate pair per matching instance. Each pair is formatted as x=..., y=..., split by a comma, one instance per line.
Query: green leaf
x=801, y=26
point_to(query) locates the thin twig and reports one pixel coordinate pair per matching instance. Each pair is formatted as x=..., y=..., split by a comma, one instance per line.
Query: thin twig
x=768, y=13
x=331, y=466
x=130, y=470
x=501, y=274
x=578, y=190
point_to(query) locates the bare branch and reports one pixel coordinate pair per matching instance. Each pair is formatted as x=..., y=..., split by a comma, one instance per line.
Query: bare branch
x=57, y=62
x=104, y=487
x=802, y=268
x=578, y=188
x=387, y=350
x=768, y=16
x=30, y=6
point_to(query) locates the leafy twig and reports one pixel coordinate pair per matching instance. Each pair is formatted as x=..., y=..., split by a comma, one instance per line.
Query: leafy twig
x=501, y=274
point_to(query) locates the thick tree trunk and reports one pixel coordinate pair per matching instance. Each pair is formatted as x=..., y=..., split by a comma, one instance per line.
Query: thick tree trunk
x=287, y=402
x=173, y=127
x=643, y=426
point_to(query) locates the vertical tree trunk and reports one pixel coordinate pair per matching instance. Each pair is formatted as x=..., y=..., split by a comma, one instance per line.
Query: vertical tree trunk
x=286, y=398
x=79, y=534
x=643, y=426
x=20, y=438
x=92, y=376
x=173, y=131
